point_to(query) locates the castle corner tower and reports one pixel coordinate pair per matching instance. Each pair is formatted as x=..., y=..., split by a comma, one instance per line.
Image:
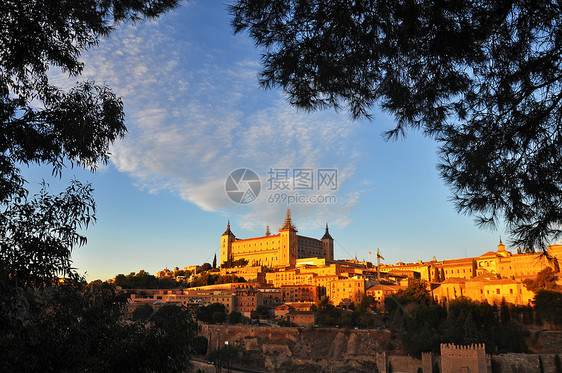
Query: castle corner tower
x=328, y=245
x=227, y=239
x=289, y=243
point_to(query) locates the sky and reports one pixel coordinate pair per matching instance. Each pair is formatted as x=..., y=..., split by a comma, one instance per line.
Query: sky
x=195, y=114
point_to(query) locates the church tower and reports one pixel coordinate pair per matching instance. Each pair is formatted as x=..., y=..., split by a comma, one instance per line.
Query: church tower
x=289, y=243
x=501, y=249
x=328, y=245
x=227, y=239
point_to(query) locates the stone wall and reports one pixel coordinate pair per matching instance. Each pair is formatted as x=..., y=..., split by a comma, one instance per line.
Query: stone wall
x=330, y=350
x=305, y=349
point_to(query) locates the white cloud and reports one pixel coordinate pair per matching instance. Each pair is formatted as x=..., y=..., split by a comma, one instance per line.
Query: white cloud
x=192, y=120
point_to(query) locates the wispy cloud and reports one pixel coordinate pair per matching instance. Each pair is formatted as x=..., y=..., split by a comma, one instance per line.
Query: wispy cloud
x=192, y=119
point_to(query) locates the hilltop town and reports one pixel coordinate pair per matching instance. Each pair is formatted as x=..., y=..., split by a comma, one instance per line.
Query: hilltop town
x=286, y=273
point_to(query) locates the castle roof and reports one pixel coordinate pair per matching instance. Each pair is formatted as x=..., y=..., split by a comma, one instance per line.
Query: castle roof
x=288, y=223
x=228, y=232
x=327, y=234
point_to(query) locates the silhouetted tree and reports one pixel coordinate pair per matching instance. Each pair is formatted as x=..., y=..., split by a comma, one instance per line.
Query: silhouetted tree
x=483, y=78
x=548, y=306
x=70, y=327
x=546, y=279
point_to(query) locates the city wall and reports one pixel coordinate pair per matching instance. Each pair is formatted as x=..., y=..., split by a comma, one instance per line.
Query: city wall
x=275, y=349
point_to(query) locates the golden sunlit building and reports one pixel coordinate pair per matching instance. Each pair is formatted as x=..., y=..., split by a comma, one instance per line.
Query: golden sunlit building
x=380, y=291
x=277, y=250
x=486, y=287
x=346, y=290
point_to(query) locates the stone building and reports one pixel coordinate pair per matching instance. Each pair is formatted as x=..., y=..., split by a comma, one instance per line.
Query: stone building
x=485, y=287
x=276, y=250
x=465, y=359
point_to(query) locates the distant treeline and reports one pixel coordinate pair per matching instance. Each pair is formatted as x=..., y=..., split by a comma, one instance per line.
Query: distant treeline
x=144, y=280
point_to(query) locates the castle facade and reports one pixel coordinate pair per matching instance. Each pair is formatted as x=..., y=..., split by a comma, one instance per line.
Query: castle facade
x=276, y=250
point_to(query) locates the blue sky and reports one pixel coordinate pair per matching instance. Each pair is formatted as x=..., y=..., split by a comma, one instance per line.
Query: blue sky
x=195, y=113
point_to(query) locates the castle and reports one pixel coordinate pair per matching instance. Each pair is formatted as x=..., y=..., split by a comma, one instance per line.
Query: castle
x=276, y=250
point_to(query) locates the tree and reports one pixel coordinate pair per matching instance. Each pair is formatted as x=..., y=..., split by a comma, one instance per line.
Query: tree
x=84, y=328
x=416, y=293
x=142, y=312
x=200, y=345
x=42, y=124
x=234, y=317
x=215, y=261
x=482, y=77
x=70, y=326
x=225, y=355
x=548, y=306
x=546, y=279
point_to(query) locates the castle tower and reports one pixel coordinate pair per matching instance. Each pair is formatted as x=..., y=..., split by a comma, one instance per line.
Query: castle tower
x=501, y=246
x=227, y=239
x=289, y=243
x=328, y=245
x=501, y=249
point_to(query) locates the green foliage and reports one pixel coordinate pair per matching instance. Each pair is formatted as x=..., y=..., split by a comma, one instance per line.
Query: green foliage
x=284, y=323
x=200, y=345
x=415, y=293
x=548, y=306
x=328, y=314
x=546, y=279
x=70, y=326
x=142, y=312
x=225, y=355
x=37, y=235
x=208, y=278
x=234, y=317
x=483, y=78
x=235, y=263
x=368, y=303
x=424, y=327
x=144, y=280
x=219, y=317
x=42, y=124
x=84, y=328
x=206, y=313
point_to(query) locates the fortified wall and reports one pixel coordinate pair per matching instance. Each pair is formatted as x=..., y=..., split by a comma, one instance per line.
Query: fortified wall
x=462, y=359
x=330, y=350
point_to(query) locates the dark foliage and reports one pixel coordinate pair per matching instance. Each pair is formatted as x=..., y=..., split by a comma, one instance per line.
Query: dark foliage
x=548, y=306
x=234, y=317
x=144, y=280
x=546, y=279
x=423, y=327
x=415, y=293
x=42, y=124
x=234, y=263
x=200, y=345
x=209, y=313
x=79, y=328
x=69, y=327
x=482, y=77
x=224, y=356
